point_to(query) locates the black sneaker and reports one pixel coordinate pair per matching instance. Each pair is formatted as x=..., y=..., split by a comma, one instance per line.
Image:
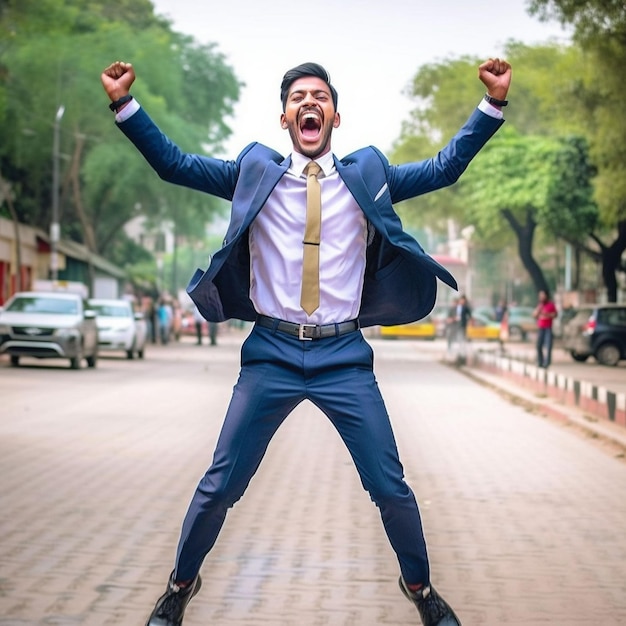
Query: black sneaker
x=170, y=607
x=433, y=609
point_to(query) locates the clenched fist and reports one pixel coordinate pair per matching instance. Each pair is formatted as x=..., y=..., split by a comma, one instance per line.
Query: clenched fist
x=117, y=79
x=495, y=74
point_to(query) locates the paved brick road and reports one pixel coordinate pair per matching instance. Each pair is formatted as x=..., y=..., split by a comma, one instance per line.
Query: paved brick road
x=525, y=519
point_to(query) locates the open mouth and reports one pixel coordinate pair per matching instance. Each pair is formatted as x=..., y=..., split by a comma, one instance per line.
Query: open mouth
x=310, y=125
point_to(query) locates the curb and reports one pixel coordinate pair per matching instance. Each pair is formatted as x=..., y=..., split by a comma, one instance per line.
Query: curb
x=599, y=412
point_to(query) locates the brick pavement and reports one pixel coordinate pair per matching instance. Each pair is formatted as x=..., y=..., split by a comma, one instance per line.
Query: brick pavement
x=524, y=518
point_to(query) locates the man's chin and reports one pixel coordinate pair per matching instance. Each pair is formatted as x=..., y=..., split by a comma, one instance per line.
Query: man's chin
x=312, y=151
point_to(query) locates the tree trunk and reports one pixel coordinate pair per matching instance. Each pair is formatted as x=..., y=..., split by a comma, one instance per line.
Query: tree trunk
x=525, y=235
x=612, y=260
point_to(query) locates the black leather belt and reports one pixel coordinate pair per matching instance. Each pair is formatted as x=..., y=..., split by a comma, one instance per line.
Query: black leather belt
x=307, y=332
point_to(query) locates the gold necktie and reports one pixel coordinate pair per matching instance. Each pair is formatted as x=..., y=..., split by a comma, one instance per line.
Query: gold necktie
x=310, y=295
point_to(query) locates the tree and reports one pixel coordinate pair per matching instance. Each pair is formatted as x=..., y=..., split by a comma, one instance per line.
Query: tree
x=530, y=182
x=56, y=59
x=600, y=30
x=446, y=91
x=545, y=102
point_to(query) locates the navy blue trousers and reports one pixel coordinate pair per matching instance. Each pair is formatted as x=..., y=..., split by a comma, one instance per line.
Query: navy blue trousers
x=277, y=373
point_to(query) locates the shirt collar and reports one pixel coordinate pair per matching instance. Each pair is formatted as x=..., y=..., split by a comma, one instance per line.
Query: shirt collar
x=299, y=162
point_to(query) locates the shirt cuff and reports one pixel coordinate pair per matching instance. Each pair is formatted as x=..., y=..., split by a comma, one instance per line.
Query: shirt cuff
x=130, y=109
x=485, y=107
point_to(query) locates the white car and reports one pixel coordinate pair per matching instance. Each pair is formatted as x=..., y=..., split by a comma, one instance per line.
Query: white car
x=119, y=327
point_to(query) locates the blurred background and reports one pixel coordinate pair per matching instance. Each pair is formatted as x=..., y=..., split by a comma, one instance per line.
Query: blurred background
x=542, y=207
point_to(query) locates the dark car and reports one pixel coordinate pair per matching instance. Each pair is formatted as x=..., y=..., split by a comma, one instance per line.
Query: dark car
x=597, y=330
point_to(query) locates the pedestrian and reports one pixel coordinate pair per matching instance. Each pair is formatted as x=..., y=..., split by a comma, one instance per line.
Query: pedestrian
x=213, y=333
x=460, y=315
x=165, y=315
x=463, y=317
x=308, y=295
x=198, y=321
x=500, y=310
x=544, y=313
x=452, y=323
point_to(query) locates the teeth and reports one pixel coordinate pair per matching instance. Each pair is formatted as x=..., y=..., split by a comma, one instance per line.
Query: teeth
x=310, y=116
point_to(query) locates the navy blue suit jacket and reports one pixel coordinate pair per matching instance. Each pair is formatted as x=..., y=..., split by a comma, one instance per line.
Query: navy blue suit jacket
x=400, y=278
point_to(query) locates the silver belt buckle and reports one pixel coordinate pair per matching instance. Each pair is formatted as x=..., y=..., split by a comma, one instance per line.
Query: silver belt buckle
x=301, y=330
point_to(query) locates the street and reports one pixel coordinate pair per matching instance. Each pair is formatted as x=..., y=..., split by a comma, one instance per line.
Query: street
x=525, y=519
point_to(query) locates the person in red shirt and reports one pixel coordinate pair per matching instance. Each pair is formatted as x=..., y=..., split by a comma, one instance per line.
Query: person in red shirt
x=545, y=312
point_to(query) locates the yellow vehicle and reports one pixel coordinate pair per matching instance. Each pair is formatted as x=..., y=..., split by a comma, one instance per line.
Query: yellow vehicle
x=423, y=329
x=482, y=328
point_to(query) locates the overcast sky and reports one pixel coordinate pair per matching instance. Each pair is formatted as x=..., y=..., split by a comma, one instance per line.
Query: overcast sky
x=371, y=48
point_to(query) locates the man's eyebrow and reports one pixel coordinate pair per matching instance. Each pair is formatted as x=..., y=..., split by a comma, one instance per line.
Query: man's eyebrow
x=313, y=91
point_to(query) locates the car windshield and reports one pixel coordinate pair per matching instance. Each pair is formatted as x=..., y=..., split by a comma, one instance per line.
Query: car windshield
x=43, y=304
x=110, y=310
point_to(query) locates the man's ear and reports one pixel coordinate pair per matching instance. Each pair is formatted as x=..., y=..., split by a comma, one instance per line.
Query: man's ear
x=283, y=121
x=337, y=120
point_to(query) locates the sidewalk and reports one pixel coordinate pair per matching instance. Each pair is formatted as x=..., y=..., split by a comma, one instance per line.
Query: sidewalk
x=566, y=391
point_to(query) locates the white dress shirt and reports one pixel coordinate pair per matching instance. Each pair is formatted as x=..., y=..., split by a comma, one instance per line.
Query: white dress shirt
x=276, y=248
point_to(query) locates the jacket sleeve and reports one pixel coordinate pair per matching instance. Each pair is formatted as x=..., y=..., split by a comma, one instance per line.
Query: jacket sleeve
x=413, y=179
x=210, y=175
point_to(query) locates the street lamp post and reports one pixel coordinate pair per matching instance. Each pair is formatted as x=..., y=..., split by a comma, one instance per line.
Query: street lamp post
x=55, y=228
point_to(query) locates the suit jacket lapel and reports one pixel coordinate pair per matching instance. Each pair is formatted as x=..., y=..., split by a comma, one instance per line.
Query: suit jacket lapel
x=247, y=209
x=351, y=176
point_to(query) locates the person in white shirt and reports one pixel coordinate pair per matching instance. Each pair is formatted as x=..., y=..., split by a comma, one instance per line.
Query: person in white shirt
x=369, y=271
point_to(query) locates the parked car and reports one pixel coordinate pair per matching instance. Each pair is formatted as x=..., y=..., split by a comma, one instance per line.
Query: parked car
x=487, y=312
x=119, y=327
x=521, y=321
x=422, y=329
x=49, y=325
x=597, y=330
x=482, y=328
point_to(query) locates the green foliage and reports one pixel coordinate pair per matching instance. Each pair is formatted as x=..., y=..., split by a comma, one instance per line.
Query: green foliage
x=592, y=19
x=546, y=178
x=569, y=211
x=600, y=29
x=52, y=54
x=445, y=92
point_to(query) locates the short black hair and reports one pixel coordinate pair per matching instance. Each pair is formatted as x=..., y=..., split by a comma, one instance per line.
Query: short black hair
x=301, y=71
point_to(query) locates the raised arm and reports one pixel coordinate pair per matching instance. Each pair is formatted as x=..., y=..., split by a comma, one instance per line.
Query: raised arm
x=413, y=179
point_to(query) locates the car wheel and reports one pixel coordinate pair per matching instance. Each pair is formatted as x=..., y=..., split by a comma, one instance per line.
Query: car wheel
x=516, y=333
x=140, y=353
x=92, y=360
x=581, y=358
x=608, y=354
x=15, y=360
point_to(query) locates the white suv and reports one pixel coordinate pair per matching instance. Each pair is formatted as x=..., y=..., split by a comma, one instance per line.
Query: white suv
x=119, y=328
x=48, y=325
